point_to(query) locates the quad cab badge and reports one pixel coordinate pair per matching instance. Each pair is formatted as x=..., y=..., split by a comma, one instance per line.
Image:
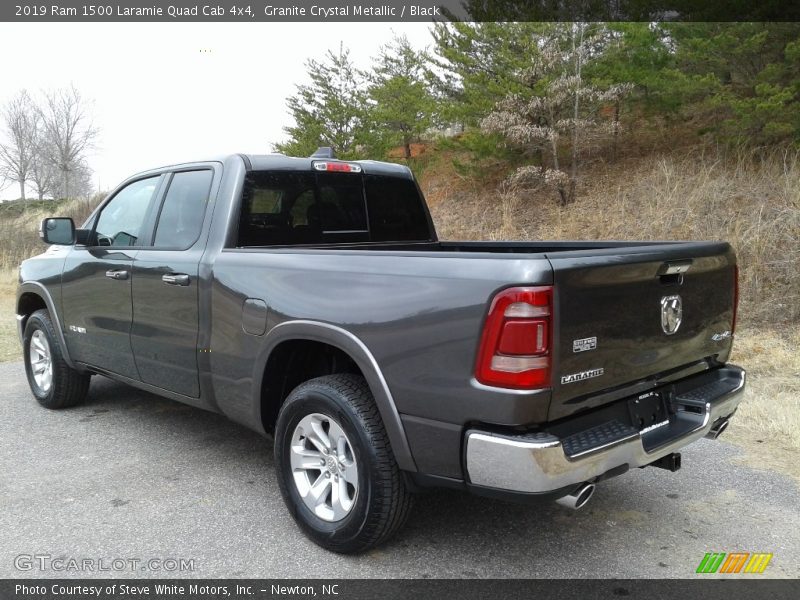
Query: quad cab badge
x=585, y=344
x=671, y=314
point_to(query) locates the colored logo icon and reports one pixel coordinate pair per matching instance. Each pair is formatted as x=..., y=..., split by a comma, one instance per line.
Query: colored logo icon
x=734, y=562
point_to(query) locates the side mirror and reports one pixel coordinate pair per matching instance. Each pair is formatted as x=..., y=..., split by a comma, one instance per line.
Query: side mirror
x=57, y=230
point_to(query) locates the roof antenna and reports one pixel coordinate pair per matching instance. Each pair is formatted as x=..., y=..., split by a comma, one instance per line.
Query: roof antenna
x=323, y=152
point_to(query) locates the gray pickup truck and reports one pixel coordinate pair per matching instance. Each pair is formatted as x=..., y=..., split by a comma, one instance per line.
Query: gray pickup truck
x=309, y=299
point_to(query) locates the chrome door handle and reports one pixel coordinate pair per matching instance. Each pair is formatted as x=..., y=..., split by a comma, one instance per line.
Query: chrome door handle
x=117, y=274
x=175, y=279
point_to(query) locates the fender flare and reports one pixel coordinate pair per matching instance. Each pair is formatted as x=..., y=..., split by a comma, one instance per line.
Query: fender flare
x=358, y=351
x=34, y=287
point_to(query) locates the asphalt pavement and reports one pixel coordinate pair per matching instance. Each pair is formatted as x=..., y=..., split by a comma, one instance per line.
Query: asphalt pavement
x=134, y=478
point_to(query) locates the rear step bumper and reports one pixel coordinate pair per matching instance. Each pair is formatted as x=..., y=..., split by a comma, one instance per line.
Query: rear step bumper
x=541, y=462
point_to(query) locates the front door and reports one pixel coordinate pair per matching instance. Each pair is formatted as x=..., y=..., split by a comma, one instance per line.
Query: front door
x=96, y=285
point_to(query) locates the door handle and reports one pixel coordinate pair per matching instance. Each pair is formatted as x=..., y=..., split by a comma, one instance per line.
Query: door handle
x=117, y=274
x=175, y=279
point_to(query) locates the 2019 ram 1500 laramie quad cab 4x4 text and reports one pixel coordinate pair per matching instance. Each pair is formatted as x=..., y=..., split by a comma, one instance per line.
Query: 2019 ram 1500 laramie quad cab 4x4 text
x=310, y=299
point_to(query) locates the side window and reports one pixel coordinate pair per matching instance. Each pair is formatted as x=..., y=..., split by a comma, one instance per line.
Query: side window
x=184, y=208
x=121, y=220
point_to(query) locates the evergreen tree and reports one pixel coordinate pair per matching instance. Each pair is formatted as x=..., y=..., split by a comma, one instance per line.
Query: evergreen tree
x=400, y=103
x=744, y=78
x=328, y=111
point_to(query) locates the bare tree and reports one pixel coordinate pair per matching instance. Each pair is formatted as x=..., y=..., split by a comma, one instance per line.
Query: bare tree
x=43, y=175
x=68, y=134
x=20, y=120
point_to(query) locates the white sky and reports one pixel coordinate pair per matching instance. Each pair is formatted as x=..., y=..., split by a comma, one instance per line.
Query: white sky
x=158, y=99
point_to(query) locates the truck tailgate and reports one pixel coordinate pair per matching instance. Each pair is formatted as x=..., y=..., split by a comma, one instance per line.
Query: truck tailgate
x=615, y=311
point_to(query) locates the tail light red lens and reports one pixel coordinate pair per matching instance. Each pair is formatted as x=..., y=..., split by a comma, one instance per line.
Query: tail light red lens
x=515, y=347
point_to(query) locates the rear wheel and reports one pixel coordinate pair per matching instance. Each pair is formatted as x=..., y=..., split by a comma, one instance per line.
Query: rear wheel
x=335, y=466
x=53, y=382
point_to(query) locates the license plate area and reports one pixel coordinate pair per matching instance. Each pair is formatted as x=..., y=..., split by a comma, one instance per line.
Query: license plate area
x=648, y=411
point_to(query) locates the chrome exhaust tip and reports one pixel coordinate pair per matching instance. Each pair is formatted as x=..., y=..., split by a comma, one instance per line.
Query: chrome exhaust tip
x=578, y=498
x=717, y=429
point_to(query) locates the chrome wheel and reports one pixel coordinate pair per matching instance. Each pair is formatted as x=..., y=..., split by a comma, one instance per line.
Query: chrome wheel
x=41, y=360
x=324, y=467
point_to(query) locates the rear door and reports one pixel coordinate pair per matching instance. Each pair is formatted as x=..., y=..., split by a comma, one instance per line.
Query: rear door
x=166, y=285
x=96, y=284
x=634, y=314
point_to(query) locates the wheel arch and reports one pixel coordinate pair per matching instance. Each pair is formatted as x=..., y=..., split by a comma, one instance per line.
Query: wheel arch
x=33, y=296
x=345, y=344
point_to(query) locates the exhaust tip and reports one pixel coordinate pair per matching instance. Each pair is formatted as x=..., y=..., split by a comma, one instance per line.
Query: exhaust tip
x=579, y=498
x=717, y=429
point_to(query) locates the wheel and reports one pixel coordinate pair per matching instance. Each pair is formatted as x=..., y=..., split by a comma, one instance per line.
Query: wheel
x=53, y=382
x=335, y=466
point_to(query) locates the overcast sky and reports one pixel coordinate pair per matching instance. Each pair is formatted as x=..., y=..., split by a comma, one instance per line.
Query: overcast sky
x=158, y=99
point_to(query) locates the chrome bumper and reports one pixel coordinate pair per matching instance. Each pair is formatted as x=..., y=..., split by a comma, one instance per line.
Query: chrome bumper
x=537, y=463
x=20, y=326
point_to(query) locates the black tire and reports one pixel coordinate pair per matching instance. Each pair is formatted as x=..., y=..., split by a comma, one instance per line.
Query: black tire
x=68, y=387
x=382, y=504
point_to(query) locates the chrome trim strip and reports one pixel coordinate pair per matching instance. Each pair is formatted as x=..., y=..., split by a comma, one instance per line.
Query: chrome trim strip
x=21, y=326
x=537, y=466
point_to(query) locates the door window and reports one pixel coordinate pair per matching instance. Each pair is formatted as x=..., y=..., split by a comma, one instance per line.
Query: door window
x=122, y=219
x=184, y=208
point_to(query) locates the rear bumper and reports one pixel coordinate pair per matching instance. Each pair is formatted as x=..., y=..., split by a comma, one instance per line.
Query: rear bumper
x=20, y=326
x=536, y=463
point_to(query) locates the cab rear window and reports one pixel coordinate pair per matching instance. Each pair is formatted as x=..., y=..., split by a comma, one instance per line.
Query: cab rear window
x=305, y=208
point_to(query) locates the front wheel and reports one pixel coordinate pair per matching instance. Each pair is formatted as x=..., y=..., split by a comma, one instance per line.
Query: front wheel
x=335, y=466
x=53, y=382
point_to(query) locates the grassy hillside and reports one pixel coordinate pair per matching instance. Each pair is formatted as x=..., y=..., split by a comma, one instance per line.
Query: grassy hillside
x=752, y=200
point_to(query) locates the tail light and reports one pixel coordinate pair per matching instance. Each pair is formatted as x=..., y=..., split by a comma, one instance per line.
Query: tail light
x=336, y=167
x=735, y=297
x=515, y=347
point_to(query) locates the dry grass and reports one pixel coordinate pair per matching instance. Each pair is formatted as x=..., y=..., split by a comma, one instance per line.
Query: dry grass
x=772, y=403
x=9, y=344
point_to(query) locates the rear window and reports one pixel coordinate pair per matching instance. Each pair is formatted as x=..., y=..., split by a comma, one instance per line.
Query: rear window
x=292, y=208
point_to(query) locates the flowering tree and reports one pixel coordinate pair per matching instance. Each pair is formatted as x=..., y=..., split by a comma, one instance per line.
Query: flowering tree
x=559, y=108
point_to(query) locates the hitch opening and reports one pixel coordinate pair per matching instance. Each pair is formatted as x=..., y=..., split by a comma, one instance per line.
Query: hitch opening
x=670, y=462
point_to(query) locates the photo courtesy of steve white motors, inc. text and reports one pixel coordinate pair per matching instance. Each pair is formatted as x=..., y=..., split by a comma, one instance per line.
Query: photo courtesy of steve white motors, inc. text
x=243, y=11
x=172, y=589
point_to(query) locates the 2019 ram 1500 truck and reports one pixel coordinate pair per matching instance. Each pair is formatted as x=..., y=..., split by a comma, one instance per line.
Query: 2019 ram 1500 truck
x=310, y=299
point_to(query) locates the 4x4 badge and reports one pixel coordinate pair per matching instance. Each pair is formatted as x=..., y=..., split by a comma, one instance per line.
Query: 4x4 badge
x=671, y=314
